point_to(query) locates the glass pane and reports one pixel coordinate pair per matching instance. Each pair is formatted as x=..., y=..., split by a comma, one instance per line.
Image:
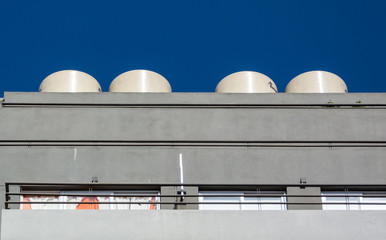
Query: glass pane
x=329, y=199
x=112, y=200
x=45, y=200
x=122, y=206
x=251, y=206
x=259, y=206
x=70, y=200
x=352, y=201
x=90, y=205
x=244, y=203
x=271, y=206
x=374, y=200
x=104, y=206
x=138, y=200
x=93, y=202
x=223, y=201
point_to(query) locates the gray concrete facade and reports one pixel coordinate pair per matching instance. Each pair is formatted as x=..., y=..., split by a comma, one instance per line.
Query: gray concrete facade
x=193, y=224
x=201, y=165
x=334, y=139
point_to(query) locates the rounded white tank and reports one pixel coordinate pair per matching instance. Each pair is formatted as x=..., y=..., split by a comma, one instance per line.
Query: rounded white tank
x=69, y=81
x=140, y=81
x=246, y=82
x=316, y=82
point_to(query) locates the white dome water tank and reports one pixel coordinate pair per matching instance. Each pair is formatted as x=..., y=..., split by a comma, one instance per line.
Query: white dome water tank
x=246, y=82
x=140, y=81
x=316, y=82
x=69, y=81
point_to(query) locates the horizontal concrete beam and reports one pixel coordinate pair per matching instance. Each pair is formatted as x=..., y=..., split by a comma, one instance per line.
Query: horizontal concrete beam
x=193, y=98
x=192, y=224
x=201, y=165
x=192, y=124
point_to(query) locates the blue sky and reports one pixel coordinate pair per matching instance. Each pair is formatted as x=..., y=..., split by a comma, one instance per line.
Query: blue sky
x=194, y=44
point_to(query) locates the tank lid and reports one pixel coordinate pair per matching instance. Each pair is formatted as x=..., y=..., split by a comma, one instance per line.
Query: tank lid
x=246, y=82
x=316, y=82
x=69, y=81
x=140, y=81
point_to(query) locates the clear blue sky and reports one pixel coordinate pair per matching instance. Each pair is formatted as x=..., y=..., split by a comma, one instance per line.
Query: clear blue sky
x=194, y=44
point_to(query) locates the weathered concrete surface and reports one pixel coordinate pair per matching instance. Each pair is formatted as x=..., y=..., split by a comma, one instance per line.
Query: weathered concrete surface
x=201, y=165
x=192, y=124
x=98, y=123
x=193, y=224
x=204, y=118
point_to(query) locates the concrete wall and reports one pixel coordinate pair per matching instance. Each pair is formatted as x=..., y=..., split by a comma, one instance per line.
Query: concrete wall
x=201, y=165
x=224, y=138
x=191, y=224
x=192, y=124
x=224, y=118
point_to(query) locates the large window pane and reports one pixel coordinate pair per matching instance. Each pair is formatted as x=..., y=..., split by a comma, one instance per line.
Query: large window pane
x=225, y=203
x=243, y=202
x=353, y=201
x=110, y=202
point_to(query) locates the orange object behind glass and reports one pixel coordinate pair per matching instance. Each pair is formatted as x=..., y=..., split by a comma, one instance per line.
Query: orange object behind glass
x=88, y=205
x=153, y=206
x=26, y=206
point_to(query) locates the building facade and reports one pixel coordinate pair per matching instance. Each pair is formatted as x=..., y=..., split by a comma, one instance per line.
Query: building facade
x=252, y=166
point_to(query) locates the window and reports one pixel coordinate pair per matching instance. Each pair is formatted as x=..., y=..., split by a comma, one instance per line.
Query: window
x=354, y=200
x=111, y=200
x=241, y=201
x=47, y=202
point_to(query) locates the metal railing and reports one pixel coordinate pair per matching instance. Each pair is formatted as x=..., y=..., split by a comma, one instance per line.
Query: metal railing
x=257, y=193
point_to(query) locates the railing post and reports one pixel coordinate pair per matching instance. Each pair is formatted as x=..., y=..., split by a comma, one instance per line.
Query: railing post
x=6, y=196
